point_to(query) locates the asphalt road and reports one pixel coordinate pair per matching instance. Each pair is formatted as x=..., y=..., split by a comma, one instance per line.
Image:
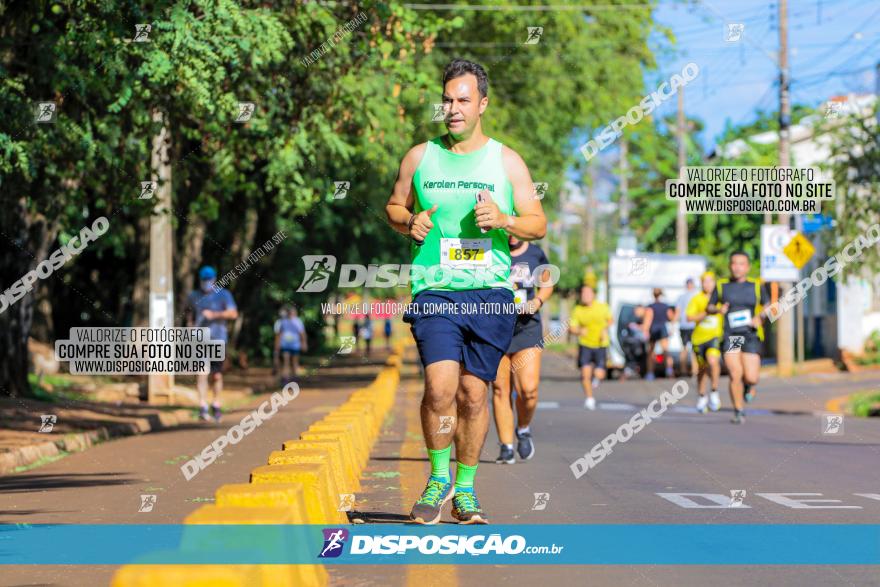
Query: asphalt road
x=676, y=470
x=780, y=450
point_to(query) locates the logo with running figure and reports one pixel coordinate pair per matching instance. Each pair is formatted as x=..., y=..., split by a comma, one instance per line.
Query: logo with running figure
x=440, y=111
x=735, y=343
x=535, y=33
x=147, y=503
x=44, y=112
x=47, y=422
x=832, y=424
x=245, y=111
x=447, y=423
x=737, y=496
x=340, y=189
x=541, y=501
x=334, y=541
x=319, y=268
x=540, y=190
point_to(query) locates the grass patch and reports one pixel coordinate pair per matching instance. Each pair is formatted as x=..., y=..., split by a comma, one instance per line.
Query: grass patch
x=42, y=461
x=861, y=403
x=559, y=347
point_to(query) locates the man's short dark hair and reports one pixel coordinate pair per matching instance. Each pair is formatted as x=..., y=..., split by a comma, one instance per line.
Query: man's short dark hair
x=740, y=252
x=459, y=67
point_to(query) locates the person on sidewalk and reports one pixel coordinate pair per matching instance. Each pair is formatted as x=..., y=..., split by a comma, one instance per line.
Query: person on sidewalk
x=367, y=333
x=211, y=308
x=522, y=363
x=290, y=341
x=458, y=196
x=590, y=321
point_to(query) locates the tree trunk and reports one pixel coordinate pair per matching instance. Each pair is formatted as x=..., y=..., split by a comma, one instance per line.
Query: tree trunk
x=31, y=237
x=188, y=256
x=140, y=294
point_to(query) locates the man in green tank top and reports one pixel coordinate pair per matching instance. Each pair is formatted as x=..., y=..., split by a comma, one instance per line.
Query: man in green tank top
x=458, y=197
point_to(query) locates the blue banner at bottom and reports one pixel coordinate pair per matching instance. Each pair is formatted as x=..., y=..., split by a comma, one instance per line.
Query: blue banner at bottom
x=562, y=544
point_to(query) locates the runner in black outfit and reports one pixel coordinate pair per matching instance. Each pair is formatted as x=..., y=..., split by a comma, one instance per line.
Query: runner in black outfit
x=657, y=316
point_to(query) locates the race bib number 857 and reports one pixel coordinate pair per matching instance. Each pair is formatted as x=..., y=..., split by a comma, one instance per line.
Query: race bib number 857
x=465, y=253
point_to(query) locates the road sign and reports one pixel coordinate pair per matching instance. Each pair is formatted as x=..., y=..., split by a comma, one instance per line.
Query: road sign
x=775, y=264
x=816, y=222
x=799, y=250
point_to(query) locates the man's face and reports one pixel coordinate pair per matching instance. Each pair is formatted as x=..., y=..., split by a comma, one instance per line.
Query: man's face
x=207, y=284
x=513, y=242
x=463, y=105
x=708, y=284
x=739, y=266
x=587, y=295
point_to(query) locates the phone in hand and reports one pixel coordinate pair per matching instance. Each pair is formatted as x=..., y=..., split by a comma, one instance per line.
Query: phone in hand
x=481, y=199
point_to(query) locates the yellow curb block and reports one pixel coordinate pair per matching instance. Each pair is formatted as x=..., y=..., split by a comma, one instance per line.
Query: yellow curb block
x=338, y=453
x=837, y=404
x=360, y=429
x=345, y=443
x=348, y=429
x=283, y=575
x=289, y=495
x=224, y=575
x=318, y=486
x=364, y=411
x=298, y=455
x=190, y=576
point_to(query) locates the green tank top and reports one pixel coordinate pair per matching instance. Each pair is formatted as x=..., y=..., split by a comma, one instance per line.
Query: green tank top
x=456, y=255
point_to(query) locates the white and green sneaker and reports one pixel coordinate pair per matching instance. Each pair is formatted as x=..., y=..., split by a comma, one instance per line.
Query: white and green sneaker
x=427, y=508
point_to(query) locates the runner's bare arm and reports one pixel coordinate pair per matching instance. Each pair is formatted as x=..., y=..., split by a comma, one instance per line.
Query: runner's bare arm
x=529, y=222
x=400, y=204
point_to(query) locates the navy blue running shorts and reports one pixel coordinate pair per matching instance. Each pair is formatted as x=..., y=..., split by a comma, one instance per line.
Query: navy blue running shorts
x=472, y=327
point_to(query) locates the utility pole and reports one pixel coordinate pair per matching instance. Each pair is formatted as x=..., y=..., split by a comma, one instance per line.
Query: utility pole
x=590, y=234
x=624, y=185
x=785, y=329
x=161, y=282
x=681, y=237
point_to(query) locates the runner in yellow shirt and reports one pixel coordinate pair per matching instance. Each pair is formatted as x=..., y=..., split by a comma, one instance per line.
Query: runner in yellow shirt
x=706, y=341
x=590, y=321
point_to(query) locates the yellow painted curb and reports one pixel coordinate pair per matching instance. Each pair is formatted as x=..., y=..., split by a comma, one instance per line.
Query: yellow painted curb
x=361, y=451
x=317, y=483
x=289, y=495
x=360, y=429
x=352, y=476
x=296, y=455
x=345, y=443
x=837, y=404
x=190, y=576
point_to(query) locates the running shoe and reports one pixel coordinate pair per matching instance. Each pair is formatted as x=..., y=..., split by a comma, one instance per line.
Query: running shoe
x=739, y=417
x=427, y=509
x=650, y=376
x=203, y=414
x=702, y=404
x=714, y=401
x=466, y=509
x=749, y=394
x=670, y=373
x=590, y=403
x=217, y=413
x=524, y=445
x=506, y=457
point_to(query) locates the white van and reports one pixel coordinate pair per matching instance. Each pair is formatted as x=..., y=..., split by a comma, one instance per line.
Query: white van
x=631, y=279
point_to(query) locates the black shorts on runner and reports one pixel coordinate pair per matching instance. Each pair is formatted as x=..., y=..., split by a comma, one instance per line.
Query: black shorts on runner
x=702, y=350
x=527, y=335
x=686, y=334
x=589, y=355
x=217, y=366
x=657, y=333
x=744, y=342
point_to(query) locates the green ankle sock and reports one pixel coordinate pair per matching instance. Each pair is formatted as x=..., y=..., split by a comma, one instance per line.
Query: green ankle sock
x=440, y=463
x=464, y=477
